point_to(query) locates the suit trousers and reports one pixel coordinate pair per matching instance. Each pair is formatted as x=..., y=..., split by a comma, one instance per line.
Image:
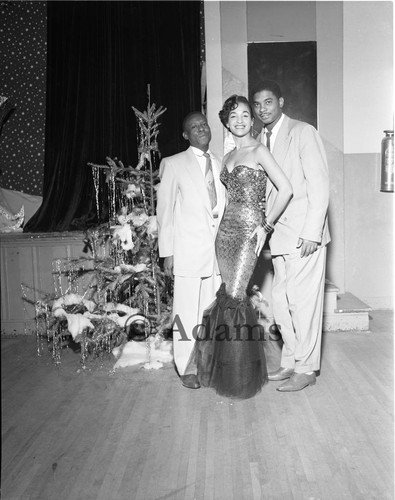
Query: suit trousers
x=191, y=297
x=298, y=299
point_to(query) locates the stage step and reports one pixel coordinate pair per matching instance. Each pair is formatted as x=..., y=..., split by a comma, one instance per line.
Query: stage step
x=349, y=314
x=330, y=297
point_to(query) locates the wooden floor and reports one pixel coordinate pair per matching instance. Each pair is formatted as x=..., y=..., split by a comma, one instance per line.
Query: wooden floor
x=69, y=434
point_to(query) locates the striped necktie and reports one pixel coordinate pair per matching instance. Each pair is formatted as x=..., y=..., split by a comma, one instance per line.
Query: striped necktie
x=209, y=180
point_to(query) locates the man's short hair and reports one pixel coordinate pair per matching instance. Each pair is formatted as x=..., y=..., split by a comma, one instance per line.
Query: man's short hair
x=187, y=118
x=267, y=85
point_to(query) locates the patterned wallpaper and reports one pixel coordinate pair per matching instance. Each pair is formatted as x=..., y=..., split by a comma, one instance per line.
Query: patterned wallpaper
x=23, y=50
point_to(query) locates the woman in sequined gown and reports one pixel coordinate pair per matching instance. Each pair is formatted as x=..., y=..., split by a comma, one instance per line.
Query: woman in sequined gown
x=229, y=351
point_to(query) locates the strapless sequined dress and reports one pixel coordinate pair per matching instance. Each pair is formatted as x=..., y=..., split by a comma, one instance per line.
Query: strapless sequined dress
x=229, y=351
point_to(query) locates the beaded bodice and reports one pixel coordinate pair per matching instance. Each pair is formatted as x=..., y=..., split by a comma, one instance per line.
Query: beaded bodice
x=245, y=185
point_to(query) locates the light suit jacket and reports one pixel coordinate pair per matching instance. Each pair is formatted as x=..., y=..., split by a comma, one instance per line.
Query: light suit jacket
x=299, y=151
x=187, y=229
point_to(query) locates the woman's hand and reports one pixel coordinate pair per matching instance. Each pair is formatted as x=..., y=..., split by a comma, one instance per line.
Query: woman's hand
x=261, y=235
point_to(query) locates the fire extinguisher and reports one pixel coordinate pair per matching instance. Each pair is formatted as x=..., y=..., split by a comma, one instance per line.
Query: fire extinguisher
x=387, y=162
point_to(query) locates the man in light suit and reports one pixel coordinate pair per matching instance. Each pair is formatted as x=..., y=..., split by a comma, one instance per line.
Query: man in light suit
x=191, y=202
x=298, y=243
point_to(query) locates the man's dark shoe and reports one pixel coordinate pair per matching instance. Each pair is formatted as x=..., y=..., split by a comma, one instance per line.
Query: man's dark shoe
x=280, y=374
x=190, y=381
x=297, y=382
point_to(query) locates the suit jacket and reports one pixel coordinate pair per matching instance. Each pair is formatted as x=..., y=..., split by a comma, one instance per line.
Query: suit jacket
x=299, y=151
x=187, y=229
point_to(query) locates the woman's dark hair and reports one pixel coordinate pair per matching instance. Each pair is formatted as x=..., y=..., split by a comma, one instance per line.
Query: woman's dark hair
x=230, y=104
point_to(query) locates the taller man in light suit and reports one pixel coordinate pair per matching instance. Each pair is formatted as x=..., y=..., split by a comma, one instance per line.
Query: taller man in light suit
x=298, y=243
x=191, y=202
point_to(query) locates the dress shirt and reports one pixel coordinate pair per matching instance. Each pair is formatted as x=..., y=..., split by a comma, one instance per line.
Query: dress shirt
x=275, y=130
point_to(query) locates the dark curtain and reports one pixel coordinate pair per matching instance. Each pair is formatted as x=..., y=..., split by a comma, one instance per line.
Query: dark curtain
x=101, y=56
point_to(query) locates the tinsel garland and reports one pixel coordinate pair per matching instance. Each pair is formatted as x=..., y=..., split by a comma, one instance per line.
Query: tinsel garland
x=118, y=291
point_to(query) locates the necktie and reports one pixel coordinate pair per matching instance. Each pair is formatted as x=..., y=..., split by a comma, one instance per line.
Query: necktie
x=209, y=180
x=268, y=134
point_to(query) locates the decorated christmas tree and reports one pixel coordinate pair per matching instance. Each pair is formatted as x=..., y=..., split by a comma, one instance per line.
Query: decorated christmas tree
x=118, y=291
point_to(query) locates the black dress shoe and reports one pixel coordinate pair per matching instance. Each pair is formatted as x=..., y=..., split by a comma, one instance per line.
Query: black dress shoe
x=280, y=374
x=190, y=381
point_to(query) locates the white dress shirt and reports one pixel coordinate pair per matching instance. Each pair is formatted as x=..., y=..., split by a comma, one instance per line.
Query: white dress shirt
x=275, y=130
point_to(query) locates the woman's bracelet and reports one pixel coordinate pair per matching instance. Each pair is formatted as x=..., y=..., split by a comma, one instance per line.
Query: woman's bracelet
x=267, y=227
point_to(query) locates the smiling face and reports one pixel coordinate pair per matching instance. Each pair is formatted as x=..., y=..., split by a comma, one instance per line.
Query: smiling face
x=240, y=120
x=267, y=107
x=197, y=131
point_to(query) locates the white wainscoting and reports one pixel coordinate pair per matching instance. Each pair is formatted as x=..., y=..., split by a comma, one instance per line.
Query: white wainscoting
x=30, y=259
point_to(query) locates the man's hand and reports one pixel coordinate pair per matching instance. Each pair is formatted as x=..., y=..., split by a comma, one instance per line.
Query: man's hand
x=307, y=247
x=260, y=238
x=168, y=266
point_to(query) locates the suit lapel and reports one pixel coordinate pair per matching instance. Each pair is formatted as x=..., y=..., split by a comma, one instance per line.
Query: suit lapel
x=283, y=140
x=193, y=169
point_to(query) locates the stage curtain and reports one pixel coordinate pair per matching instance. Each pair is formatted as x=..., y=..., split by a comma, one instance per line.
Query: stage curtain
x=101, y=56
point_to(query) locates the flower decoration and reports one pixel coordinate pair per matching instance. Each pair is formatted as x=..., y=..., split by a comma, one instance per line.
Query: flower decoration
x=138, y=217
x=124, y=235
x=133, y=191
x=152, y=226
